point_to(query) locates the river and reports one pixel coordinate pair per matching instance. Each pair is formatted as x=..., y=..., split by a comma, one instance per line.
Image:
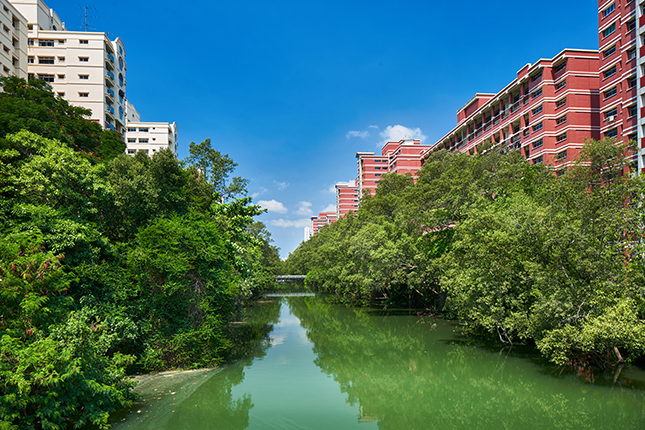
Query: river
x=307, y=364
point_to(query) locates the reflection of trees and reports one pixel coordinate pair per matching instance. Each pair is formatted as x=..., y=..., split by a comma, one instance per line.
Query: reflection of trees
x=210, y=405
x=401, y=372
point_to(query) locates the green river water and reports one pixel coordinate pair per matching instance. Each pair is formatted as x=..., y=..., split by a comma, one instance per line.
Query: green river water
x=304, y=364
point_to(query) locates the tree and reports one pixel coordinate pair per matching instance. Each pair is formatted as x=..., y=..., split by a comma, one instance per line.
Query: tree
x=216, y=168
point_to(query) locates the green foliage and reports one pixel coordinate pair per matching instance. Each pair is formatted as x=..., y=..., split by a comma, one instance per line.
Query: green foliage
x=107, y=268
x=516, y=252
x=33, y=107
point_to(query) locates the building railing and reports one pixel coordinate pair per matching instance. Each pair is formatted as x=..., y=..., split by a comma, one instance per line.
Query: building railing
x=110, y=57
x=110, y=74
x=110, y=91
x=109, y=109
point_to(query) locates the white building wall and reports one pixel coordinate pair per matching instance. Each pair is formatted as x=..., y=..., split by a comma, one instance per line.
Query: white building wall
x=13, y=41
x=38, y=14
x=151, y=137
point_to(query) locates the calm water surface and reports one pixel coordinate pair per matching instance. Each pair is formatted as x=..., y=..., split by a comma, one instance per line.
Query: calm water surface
x=305, y=364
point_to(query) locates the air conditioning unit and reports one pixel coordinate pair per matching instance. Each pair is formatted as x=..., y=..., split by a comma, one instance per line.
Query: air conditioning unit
x=611, y=118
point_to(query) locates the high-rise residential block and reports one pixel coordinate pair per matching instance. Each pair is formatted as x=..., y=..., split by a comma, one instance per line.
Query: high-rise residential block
x=347, y=198
x=150, y=137
x=85, y=68
x=547, y=111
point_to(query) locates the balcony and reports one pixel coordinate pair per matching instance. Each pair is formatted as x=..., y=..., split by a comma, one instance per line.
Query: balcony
x=110, y=74
x=515, y=139
x=110, y=57
x=109, y=109
x=110, y=91
x=109, y=126
x=515, y=107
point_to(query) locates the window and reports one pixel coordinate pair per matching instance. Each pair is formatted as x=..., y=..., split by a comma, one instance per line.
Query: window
x=378, y=175
x=46, y=78
x=561, y=102
x=561, y=155
x=61, y=42
x=538, y=160
x=609, y=30
x=377, y=168
x=537, y=93
x=131, y=129
x=631, y=82
x=561, y=120
x=536, y=77
x=632, y=110
x=537, y=110
x=538, y=143
x=610, y=115
x=61, y=94
x=537, y=127
x=612, y=133
x=84, y=42
x=561, y=138
x=61, y=59
x=83, y=94
x=84, y=59
x=143, y=129
x=131, y=140
x=631, y=54
x=132, y=151
x=44, y=42
x=30, y=60
x=610, y=93
x=84, y=77
x=143, y=140
x=61, y=76
x=609, y=10
x=30, y=42
x=631, y=25
x=609, y=72
x=377, y=161
x=561, y=84
x=45, y=60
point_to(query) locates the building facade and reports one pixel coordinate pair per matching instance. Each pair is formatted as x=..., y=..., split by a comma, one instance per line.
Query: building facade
x=13, y=40
x=547, y=111
x=150, y=137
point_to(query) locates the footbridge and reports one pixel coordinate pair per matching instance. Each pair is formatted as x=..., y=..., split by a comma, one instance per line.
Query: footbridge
x=281, y=279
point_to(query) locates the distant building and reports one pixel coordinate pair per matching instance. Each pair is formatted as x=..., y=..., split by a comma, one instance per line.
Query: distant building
x=13, y=40
x=404, y=156
x=347, y=198
x=307, y=233
x=149, y=137
x=323, y=219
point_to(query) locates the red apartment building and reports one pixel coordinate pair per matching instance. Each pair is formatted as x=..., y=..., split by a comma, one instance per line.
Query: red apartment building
x=347, y=198
x=547, y=111
x=404, y=156
x=323, y=219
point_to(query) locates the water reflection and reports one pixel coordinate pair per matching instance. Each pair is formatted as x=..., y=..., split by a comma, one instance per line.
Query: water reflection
x=312, y=365
x=410, y=372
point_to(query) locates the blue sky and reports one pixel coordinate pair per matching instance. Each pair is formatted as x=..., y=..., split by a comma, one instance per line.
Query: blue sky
x=280, y=85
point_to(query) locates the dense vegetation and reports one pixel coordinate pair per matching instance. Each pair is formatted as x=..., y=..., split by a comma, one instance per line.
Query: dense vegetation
x=110, y=264
x=515, y=251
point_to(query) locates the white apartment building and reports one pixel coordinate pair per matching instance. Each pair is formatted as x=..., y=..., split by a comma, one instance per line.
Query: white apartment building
x=151, y=137
x=85, y=68
x=13, y=41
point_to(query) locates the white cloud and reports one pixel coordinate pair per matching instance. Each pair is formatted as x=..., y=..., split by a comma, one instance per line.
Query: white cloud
x=281, y=185
x=273, y=206
x=299, y=223
x=304, y=208
x=329, y=208
x=394, y=133
x=262, y=190
x=373, y=126
x=363, y=134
